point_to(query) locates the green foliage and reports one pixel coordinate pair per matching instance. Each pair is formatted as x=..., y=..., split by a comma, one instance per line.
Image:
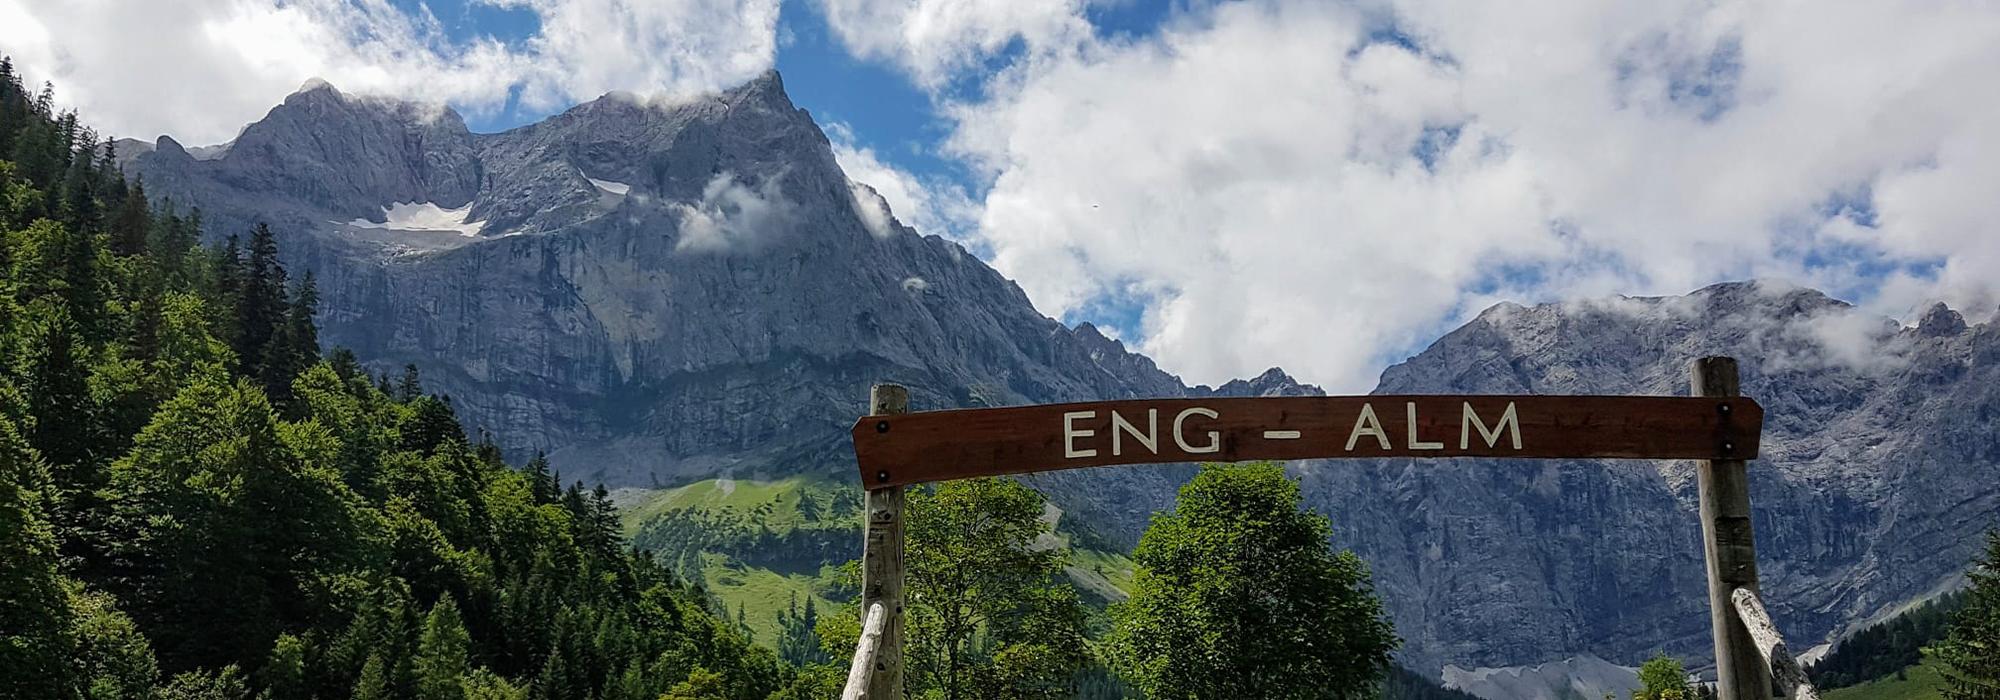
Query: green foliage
x=34, y=607
x=227, y=684
x=284, y=676
x=798, y=637
x=1887, y=647
x=1919, y=682
x=988, y=613
x=194, y=505
x=1970, y=653
x=441, y=654
x=702, y=684
x=111, y=659
x=1662, y=678
x=1239, y=595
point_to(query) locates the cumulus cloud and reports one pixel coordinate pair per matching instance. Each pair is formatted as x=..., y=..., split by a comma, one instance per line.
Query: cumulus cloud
x=931, y=206
x=731, y=214
x=200, y=69
x=932, y=39
x=1312, y=185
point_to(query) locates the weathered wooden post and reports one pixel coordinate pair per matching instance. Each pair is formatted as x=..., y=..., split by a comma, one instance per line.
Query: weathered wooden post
x=1727, y=546
x=882, y=556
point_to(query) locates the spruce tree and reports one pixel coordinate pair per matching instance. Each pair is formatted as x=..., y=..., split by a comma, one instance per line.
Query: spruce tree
x=34, y=609
x=294, y=346
x=410, y=387
x=284, y=674
x=542, y=482
x=374, y=681
x=441, y=654
x=261, y=304
x=132, y=225
x=56, y=384
x=1971, y=651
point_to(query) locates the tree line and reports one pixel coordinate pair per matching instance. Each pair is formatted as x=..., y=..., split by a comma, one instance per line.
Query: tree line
x=195, y=503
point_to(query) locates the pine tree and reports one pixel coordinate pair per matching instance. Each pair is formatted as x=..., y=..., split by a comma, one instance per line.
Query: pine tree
x=374, y=681
x=542, y=482
x=261, y=306
x=132, y=225
x=57, y=389
x=1971, y=652
x=225, y=263
x=34, y=609
x=441, y=655
x=410, y=387
x=345, y=365
x=284, y=675
x=293, y=347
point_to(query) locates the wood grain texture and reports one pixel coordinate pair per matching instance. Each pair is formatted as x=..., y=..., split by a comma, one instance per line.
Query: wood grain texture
x=1791, y=678
x=956, y=444
x=882, y=560
x=1729, y=547
x=861, y=670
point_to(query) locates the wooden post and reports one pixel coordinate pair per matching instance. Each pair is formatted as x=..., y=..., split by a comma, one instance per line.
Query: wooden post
x=882, y=559
x=1793, y=682
x=1729, y=549
x=860, y=669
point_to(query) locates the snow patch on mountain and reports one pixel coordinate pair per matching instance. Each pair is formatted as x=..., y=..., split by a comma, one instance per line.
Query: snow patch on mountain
x=610, y=186
x=424, y=216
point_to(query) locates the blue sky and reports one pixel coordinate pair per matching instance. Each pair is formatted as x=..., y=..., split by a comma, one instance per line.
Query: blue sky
x=1227, y=185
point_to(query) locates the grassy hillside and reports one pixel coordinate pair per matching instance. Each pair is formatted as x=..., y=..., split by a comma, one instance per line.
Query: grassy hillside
x=1919, y=682
x=760, y=545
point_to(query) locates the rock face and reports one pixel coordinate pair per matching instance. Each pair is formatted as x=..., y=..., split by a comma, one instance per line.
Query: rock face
x=1880, y=460
x=656, y=293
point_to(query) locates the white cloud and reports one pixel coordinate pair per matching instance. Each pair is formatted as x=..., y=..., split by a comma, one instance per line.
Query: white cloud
x=200, y=69
x=932, y=39
x=731, y=214
x=1279, y=188
x=931, y=206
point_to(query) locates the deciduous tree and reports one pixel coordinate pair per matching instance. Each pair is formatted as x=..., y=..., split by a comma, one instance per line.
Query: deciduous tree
x=1239, y=595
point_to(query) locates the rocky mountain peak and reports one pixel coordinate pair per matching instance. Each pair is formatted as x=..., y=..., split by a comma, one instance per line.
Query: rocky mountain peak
x=1273, y=382
x=1939, y=321
x=768, y=89
x=353, y=155
x=1772, y=297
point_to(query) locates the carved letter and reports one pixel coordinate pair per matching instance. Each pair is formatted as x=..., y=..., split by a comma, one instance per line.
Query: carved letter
x=1508, y=420
x=1151, y=438
x=1070, y=434
x=1373, y=426
x=1410, y=410
x=1180, y=438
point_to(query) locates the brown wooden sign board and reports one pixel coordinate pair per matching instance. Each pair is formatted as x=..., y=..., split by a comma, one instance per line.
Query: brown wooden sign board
x=941, y=445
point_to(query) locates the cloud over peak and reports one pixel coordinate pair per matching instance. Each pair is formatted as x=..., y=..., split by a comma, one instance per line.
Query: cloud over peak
x=200, y=69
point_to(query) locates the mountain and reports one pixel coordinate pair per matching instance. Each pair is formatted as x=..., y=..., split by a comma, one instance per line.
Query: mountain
x=1881, y=451
x=654, y=293
x=660, y=293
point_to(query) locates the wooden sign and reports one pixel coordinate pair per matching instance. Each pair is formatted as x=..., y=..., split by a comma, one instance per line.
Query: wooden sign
x=939, y=445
